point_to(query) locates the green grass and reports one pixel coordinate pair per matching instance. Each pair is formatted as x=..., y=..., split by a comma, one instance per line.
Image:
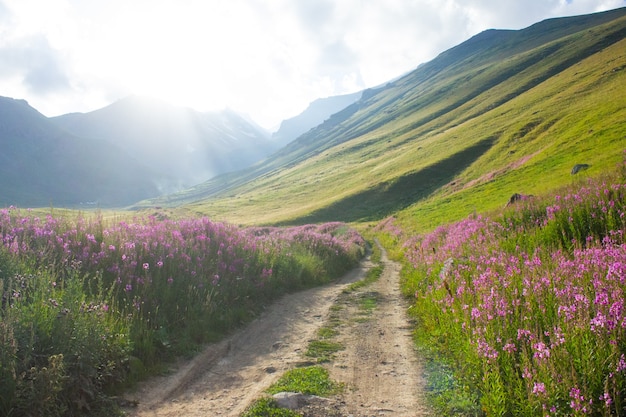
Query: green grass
x=443, y=390
x=323, y=350
x=372, y=274
x=495, y=329
x=77, y=326
x=312, y=380
x=327, y=332
x=368, y=301
x=267, y=407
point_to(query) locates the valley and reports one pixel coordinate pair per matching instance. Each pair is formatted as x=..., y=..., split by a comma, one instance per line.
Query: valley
x=451, y=242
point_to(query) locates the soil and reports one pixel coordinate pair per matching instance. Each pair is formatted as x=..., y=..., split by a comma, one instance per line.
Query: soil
x=379, y=367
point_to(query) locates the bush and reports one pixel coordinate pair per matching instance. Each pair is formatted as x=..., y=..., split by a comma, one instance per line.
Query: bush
x=60, y=350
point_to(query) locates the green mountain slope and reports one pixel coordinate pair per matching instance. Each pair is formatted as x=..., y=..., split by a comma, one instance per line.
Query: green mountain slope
x=504, y=112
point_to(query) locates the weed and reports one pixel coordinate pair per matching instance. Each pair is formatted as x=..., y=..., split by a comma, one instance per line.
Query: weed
x=326, y=333
x=372, y=274
x=526, y=307
x=368, y=301
x=89, y=308
x=313, y=380
x=323, y=350
x=267, y=407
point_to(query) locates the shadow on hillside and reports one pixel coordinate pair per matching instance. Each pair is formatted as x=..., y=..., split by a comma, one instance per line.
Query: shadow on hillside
x=386, y=198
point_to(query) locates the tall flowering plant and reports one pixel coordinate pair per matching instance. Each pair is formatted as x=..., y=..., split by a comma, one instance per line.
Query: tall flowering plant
x=167, y=284
x=531, y=305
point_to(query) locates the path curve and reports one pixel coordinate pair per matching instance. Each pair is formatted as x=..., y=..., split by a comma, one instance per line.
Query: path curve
x=379, y=365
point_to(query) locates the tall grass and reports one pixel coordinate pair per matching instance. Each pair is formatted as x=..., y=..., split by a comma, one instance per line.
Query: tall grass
x=89, y=306
x=529, y=305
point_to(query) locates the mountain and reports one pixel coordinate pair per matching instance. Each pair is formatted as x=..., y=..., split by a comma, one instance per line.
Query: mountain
x=177, y=142
x=314, y=115
x=507, y=111
x=42, y=165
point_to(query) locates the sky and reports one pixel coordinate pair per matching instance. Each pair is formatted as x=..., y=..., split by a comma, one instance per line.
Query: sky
x=267, y=59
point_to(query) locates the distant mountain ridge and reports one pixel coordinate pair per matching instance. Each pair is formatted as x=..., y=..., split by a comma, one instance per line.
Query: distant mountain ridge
x=43, y=165
x=185, y=145
x=314, y=115
x=133, y=149
x=499, y=104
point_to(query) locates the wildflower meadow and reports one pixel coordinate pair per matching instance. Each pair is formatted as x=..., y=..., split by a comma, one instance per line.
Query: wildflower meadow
x=527, y=305
x=90, y=305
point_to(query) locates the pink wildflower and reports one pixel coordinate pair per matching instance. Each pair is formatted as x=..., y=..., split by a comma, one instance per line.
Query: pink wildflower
x=539, y=388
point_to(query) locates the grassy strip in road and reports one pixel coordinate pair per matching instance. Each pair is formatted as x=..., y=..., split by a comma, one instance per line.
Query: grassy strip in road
x=314, y=380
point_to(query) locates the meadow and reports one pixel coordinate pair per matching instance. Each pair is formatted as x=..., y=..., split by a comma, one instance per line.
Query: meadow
x=522, y=310
x=90, y=306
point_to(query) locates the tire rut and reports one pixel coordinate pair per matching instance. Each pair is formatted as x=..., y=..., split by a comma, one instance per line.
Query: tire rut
x=379, y=365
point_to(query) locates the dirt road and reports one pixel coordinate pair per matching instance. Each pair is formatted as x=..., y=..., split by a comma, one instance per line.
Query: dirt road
x=378, y=366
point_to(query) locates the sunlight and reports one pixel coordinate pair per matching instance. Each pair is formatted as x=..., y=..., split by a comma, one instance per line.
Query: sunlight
x=175, y=48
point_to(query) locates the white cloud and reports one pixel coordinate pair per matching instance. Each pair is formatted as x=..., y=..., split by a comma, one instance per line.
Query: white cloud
x=266, y=58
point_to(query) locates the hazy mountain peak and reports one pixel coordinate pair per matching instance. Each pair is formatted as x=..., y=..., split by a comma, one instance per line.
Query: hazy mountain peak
x=315, y=114
x=179, y=142
x=42, y=164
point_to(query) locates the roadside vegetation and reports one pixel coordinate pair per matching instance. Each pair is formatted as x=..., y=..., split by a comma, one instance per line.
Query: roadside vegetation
x=90, y=306
x=522, y=311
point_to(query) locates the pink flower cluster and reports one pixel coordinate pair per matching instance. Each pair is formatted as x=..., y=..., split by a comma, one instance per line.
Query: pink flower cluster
x=150, y=262
x=543, y=291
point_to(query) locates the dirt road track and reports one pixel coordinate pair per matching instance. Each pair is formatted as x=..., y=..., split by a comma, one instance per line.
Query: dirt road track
x=379, y=366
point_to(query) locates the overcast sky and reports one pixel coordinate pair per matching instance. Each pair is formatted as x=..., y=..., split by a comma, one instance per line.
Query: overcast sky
x=264, y=58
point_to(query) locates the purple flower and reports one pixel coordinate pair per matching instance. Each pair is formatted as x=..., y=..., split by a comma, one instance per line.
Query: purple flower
x=621, y=366
x=539, y=388
x=606, y=397
x=541, y=351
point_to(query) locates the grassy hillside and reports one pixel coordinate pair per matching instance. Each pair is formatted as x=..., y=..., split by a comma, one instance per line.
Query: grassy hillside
x=504, y=112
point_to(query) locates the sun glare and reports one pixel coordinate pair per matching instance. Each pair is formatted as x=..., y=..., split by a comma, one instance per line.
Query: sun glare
x=185, y=54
